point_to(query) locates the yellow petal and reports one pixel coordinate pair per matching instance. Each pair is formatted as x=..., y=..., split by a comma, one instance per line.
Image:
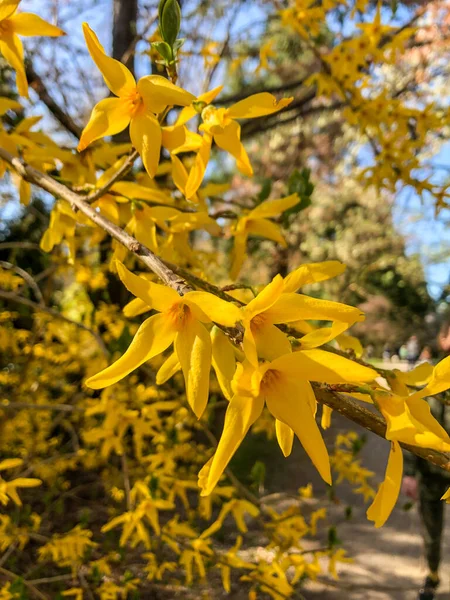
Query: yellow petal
x=238, y=256
x=10, y=463
x=350, y=342
x=29, y=24
x=410, y=421
x=145, y=134
x=326, y=416
x=249, y=344
x=7, y=8
x=266, y=298
x=312, y=273
x=272, y=208
x=417, y=376
x=229, y=139
x=193, y=348
x=189, y=112
x=152, y=338
x=197, y=171
x=446, y=496
x=318, y=365
x=117, y=77
x=173, y=137
x=389, y=490
x=129, y=189
x=323, y=335
x=271, y=342
x=290, y=402
x=440, y=380
x=258, y=105
x=285, y=437
x=168, y=369
x=266, y=229
x=223, y=361
x=9, y=104
x=295, y=307
x=241, y=413
x=158, y=93
x=12, y=50
x=180, y=177
x=135, y=307
x=218, y=310
x=156, y=296
x=108, y=117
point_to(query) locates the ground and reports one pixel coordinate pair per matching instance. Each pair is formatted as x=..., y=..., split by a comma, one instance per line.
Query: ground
x=388, y=562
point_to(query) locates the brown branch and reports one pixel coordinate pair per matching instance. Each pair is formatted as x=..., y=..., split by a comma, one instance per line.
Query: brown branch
x=349, y=408
x=60, y=115
x=77, y=202
x=27, y=278
x=352, y=410
x=282, y=87
x=119, y=174
x=31, y=406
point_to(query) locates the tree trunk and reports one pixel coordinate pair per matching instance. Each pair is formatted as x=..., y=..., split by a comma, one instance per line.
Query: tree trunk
x=124, y=30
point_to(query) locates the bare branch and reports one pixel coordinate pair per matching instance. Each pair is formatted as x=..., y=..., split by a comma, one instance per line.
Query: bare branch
x=372, y=422
x=60, y=115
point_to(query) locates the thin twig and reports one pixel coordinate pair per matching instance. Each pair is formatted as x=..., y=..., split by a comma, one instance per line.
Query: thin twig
x=54, y=313
x=126, y=480
x=372, y=422
x=26, y=277
x=119, y=174
x=77, y=202
x=31, y=406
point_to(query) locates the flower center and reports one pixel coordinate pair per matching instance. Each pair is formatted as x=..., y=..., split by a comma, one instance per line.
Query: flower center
x=271, y=379
x=5, y=27
x=258, y=322
x=137, y=103
x=179, y=313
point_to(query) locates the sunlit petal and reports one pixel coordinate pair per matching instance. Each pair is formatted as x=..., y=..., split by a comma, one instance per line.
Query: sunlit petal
x=312, y=273
x=272, y=208
x=327, y=367
x=29, y=24
x=218, y=310
x=12, y=49
x=145, y=134
x=258, y=105
x=266, y=298
x=117, y=77
x=266, y=229
x=7, y=8
x=285, y=437
x=229, y=139
x=290, y=403
x=223, y=361
x=198, y=169
x=158, y=93
x=168, y=369
x=388, y=492
x=241, y=413
x=153, y=337
x=193, y=348
x=156, y=296
x=108, y=117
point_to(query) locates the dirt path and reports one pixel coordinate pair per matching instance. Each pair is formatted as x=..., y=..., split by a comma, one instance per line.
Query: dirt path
x=388, y=562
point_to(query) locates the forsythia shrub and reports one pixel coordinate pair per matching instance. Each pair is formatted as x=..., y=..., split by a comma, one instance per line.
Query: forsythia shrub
x=117, y=485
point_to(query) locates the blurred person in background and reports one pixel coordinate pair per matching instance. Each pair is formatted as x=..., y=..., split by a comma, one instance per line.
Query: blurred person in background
x=427, y=483
x=412, y=349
